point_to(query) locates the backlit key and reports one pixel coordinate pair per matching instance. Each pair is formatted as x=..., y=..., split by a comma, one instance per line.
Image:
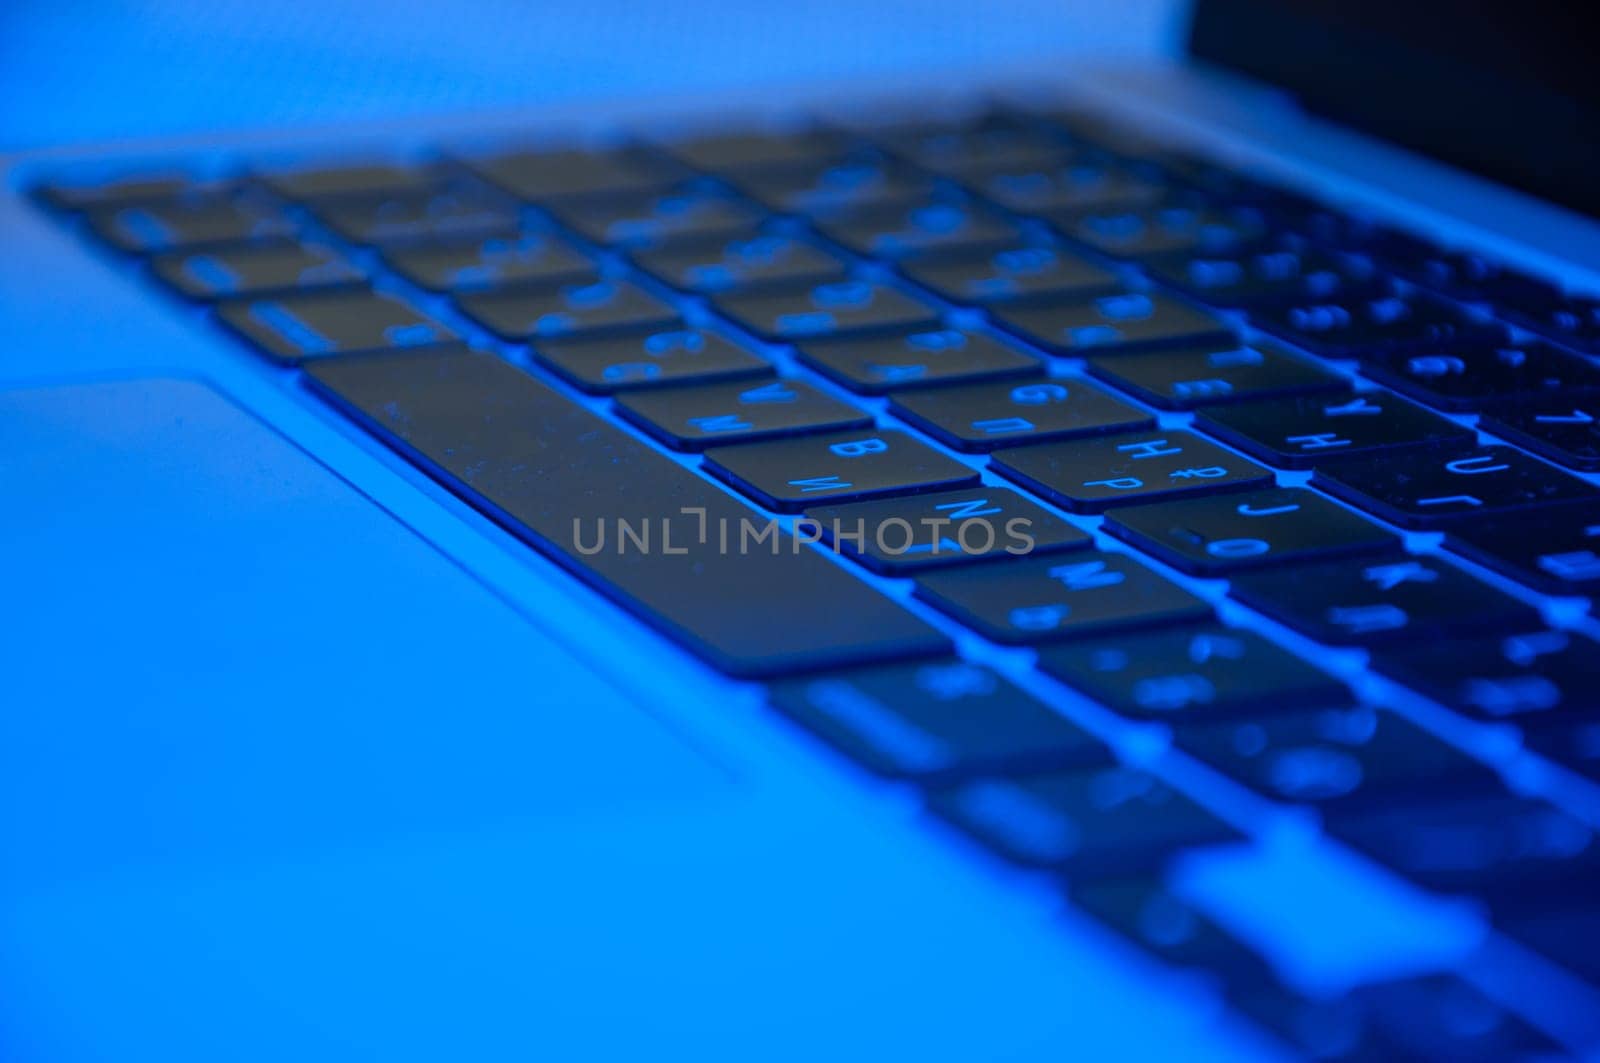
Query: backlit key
x=1120, y=323
x=1093, y=475
x=790, y=474
x=981, y=417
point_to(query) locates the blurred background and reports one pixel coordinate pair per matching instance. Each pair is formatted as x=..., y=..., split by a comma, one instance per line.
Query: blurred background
x=86, y=70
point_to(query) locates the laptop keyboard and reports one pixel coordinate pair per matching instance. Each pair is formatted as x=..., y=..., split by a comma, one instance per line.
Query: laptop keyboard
x=692, y=371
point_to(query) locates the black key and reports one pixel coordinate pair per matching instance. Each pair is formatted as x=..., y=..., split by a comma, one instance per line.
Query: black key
x=1195, y=672
x=935, y=721
x=1575, y=747
x=1337, y=759
x=691, y=213
x=1088, y=593
x=631, y=363
x=1313, y=430
x=981, y=417
x=1268, y=275
x=1164, y=230
x=554, y=474
x=1099, y=821
x=1571, y=320
x=1145, y=912
x=1081, y=184
x=128, y=190
x=523, y=260
x=693, y=418
x=977, y=148
x=752, y=260
x=1020, y=272
x=1217, y=536
x=1556, y=551
x=1567, y=431
x=1209, y=376
x=1093, y=475
x=261, y=269
x=861, y=181
x=607, y=306
x=1382, y=601
x=1458, y=274
x=299, y=327
x=536, y=176
x=1569, y=935
x=1474, y=378
x=756, y=150
x=1492, y=846
x=1535, y=678
x=351, y=179
x=916, y=229
x=836, y=308
x=1120, y=324
x=192, y=222
x=440, y=214
x=790, y=474
x=1363, y=328
x=1422, y=489
x=875, y=365
x=900, y=536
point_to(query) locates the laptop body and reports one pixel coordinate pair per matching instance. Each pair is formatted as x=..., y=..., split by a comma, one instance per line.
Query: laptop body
x=323, y=758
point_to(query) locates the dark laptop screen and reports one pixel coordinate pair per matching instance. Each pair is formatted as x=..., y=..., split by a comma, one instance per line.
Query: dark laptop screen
x=1508, y=89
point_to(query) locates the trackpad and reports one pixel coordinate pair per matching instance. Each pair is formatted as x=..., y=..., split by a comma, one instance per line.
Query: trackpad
x=219, y=652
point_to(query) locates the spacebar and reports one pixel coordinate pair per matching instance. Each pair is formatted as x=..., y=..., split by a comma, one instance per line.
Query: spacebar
x=562, y=478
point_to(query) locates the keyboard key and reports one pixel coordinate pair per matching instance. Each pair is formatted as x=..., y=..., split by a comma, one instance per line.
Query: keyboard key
x=1491, y=846
x=193, y=222
x=528, y=260
x=1088, y=822
x=752, y=260
x=975, y=149
x=874, y=365
x=370, y=178
x=1221, y=535
x=298, y=327
x=1268, y=275
x=1083, y=184
x=557, y=475
x=899, y=536
x=1538, y=677
x=1570, y=320
x=1164, y=230
x=1112, y=324
x=1459, y=274
x=1087, y=593
x=1421, y=489
x=719, y=152
x=1566, y=431
x=441, y=214
x=861, y=181
x=1337, y=759
x=836, y=308
x=1313, y=430
x=635, y=362
x=1381, y=601
x=1195, y=672
x=1474, y=378
x=255, y=270
x=693, y=418
x=1364, y=328
x=1555, y=551
x=1208, y=376
x=1093, y=475
x=128, y=191
x=686, y=214
x=536, y=176
x=981, y=417
x=1575, y=746
x=1145, y=912
x=790, y=474
x=925, y=228
x=937, y=721
x=1017, y=272
x=601, y=307
x=1327, y=1030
